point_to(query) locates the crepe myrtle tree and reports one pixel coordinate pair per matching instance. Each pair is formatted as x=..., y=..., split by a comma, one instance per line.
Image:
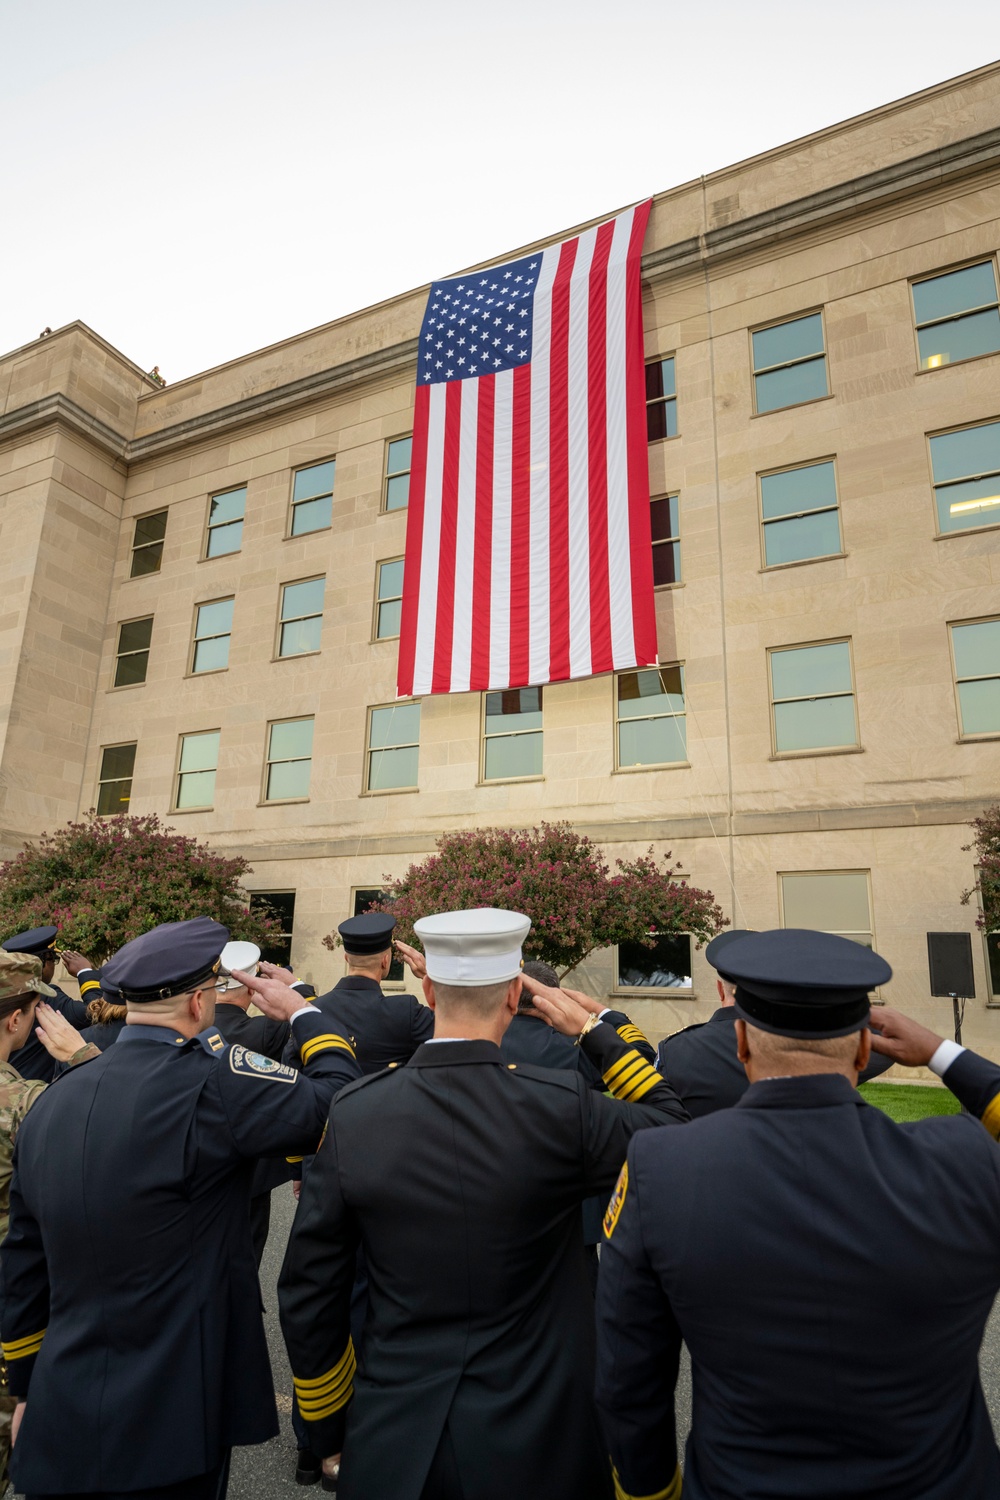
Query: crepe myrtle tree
x=561, y=880
x=987, y=886
x=104, y=881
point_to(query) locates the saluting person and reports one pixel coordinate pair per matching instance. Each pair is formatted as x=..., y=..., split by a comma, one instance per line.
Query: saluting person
x=464, y=1177
x=33, y=1061
x=131, y=1317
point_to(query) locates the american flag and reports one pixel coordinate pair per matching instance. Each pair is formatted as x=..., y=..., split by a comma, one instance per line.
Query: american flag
x=528, y=549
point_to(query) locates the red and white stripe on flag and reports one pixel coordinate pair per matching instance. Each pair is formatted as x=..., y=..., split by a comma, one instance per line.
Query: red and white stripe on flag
x=528, y=546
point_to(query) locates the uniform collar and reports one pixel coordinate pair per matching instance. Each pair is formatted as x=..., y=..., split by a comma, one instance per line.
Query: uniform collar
x=8, y=1073
x=809, y=1091
x=358, y=982
x=454, y=1054
x=722, y=1015
x=152, y=1034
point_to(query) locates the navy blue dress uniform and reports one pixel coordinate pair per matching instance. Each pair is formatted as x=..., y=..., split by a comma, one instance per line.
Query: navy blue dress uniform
x=131, y=1310
x=463, y=1176
x=32, y=1060
x=700, y=1062
x=830, y=1271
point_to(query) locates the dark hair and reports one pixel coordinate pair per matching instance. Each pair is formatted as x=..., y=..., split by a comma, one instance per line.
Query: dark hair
x=544, y=973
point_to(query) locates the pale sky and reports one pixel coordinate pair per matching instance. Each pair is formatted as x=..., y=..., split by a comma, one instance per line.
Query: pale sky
x=199, y=178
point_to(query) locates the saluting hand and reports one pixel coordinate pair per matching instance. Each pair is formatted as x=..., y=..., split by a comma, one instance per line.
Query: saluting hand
x=74, y=961
x=901, y=1038
x=567, y=1011
x=275, y=998
x=414, y=960
x=55, y=1033
x=276, y=971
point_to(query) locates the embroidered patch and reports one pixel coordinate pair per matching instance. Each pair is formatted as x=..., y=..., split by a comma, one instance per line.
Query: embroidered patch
x=616, y=1203
x=242, y=1061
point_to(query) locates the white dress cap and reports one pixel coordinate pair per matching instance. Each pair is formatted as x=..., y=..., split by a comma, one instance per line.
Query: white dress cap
x=482, y=946
x=243, y=956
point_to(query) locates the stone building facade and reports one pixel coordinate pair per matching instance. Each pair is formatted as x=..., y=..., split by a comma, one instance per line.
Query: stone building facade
x=198, y=581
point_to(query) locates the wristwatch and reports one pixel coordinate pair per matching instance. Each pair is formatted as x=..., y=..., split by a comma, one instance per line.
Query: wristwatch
x=592, y=1021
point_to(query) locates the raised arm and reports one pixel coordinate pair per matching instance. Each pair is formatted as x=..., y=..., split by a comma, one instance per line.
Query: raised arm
x=974, y=1080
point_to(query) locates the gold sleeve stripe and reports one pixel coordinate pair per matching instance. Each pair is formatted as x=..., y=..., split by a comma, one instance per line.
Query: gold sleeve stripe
x=89, y=984
x=672, y=1491
x=632, y=1034
x=991, y=1117
x=293, y=1159
x=21, y=1348
x=325, y=1394
x=640, y=1087
x=623, y=1065
x=328, y=1042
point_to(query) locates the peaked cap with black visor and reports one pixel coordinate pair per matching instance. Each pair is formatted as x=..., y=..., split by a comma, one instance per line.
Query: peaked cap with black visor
x=169, y=960
x=808, y=985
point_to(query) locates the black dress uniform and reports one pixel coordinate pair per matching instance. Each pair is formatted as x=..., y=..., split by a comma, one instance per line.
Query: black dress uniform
x=131, y=1308
x=830, y=1271
x=32, y=1060
x=463, y=1176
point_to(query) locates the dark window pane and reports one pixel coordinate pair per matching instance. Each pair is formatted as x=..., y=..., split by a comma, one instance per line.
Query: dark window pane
x=815, y=724
x=993, y=952
x=661, y=420
x=809, y=488
x=792, y=386
x=312, y=515
x=281, y=905
x=113, y=797
x=131, y=669
x=663, y=518
x=944, y=343
x=807, y=670
x=654, y=380
x=225, y=539
x=666, y=965
x=976, y=503
x=399, y=457
x=666, y=563
x=117, y=762
x=364, y=901
x=397, y=492
x=516, y=708
x=966, y=454
x=795, y=340
x=317, y=480
x=943, y=296
x=146, y=560
x=228, y=507
x=650, y=692
x=135, y=635
x=796, y=540
x=150, y=528
x=977, y=649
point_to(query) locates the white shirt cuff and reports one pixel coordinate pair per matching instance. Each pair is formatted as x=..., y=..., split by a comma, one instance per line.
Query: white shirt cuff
x=944, y=1057
x=605, y=1012
x=303, y=1009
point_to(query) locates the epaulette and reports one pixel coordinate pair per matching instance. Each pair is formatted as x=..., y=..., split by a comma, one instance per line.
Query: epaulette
x=564, y=1078
x=696, y=1026
x=212, y=1041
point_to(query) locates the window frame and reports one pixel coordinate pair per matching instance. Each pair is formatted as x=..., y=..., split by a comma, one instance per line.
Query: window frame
x=375, y=637
x=209, y=528
x=938, y=534
x=846, y=870
x=660, y=765
x=648, y=991
x=110, y=780
x=671, y=541
x=291, y=582
x=963, y=265
x=668, y=437
x=799, y=562
x=118, y=687
x=201, y=604
x=314, y=463
x=386, y=476
x=265, y=800
x=389, y=791
x=990, y=734
x=163, y=510
x=804, y=359
x=836, y=640
x=203, y=807
x=508, y=734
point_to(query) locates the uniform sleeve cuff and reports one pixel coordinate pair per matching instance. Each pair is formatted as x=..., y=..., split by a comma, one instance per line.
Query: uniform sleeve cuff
x=944, y=1057
x=304, y=1010
x=605, y=1012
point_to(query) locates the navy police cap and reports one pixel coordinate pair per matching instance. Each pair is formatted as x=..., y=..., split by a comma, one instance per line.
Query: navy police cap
x=721, y=941
x=799, y=983
x=37, y=941
x=369, y=933
x=169, y=960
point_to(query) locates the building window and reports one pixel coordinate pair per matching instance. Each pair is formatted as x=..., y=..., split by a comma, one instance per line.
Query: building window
x=799, y=514
x=301, y=623
x=225, y=522
x=133, y=651
x=812, y=697
x=213, y=625
x=393, y=748
x=661, y=400
x=364, y=900
x=196, y=768
x=789, y=363
x=966, y=467
x=976, y=649
x=388, y=598
x=289, y=760
x=312, y=498
x=147, y=544
x=281, y=905
x=992, y=941
x=396, y=490
x=665, y=516
x=512, y=734
x=650, y=722
x=665, y=966
x=114, y=789
x=834, y=901
x=957, y=315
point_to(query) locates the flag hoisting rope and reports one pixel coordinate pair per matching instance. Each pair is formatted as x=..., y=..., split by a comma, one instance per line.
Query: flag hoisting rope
x=528, y=548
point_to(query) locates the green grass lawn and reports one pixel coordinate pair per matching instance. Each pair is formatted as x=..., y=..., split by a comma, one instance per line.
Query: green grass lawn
x=909, y=1101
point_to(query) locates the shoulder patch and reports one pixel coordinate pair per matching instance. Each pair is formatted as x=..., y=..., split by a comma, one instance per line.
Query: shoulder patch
x=616, y=1203
x=258, y=1066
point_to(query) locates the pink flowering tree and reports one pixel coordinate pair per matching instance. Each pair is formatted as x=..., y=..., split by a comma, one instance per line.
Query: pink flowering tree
x=562, y=881
x=987, y=886
x=106, y=880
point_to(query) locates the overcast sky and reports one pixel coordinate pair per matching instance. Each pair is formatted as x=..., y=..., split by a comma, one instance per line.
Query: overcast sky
x=198, y=178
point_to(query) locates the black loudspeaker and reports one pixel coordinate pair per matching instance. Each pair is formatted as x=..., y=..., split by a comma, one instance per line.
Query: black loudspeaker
x=949, y=959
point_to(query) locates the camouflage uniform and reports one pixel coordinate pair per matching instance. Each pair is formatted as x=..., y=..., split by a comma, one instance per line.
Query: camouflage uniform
x=19, y=972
